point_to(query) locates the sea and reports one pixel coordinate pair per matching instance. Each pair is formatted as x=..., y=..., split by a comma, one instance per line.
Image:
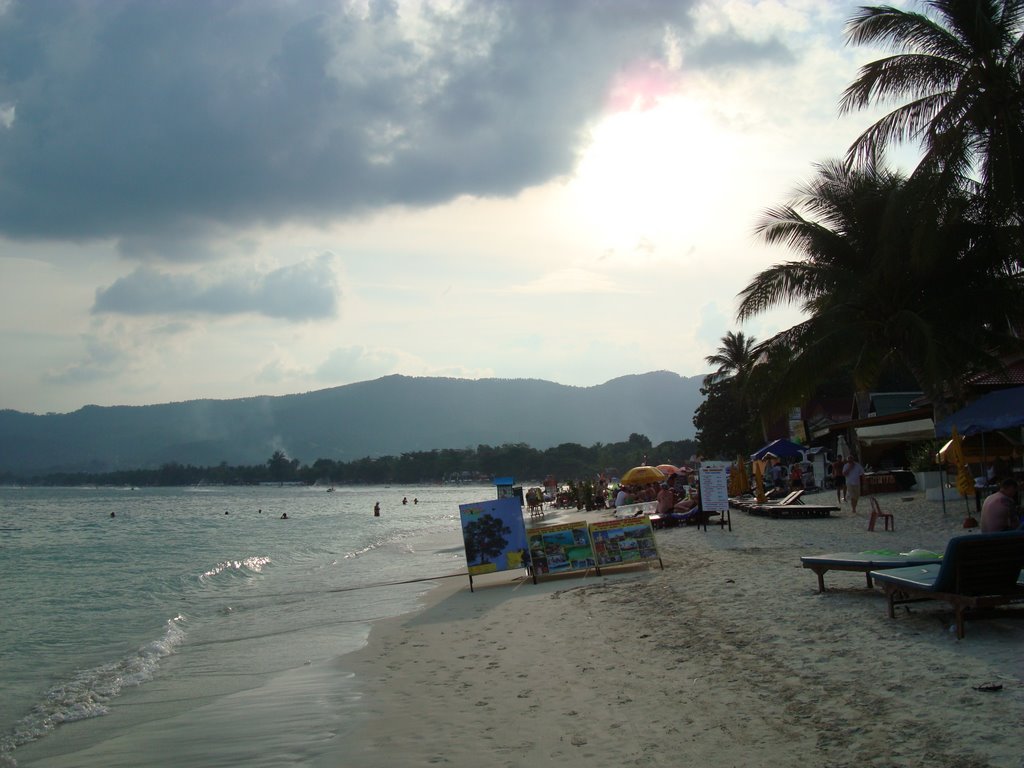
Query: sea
x=197, y=626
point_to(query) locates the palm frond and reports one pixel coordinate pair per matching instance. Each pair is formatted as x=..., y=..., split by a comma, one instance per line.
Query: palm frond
x=888, y=27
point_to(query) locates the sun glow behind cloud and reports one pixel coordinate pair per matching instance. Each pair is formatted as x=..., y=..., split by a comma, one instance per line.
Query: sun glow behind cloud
x=651, y=174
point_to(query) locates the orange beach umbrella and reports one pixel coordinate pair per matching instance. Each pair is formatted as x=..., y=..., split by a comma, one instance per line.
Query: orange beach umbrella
x=642, y=476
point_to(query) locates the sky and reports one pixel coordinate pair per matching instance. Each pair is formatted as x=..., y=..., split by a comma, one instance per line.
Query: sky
x=233, y=198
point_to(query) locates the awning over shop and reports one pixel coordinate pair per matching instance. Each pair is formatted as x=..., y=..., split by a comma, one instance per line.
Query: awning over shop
x=900, y=432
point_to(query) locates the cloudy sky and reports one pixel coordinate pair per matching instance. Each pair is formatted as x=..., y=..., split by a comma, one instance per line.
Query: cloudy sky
x=239, y=197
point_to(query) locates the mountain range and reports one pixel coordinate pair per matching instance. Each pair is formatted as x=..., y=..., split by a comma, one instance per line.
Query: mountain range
x=387, y=416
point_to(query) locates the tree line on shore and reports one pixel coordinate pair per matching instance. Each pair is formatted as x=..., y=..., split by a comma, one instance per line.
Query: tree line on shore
x=566, y=462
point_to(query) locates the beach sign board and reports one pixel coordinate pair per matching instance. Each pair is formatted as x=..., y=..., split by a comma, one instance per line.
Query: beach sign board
x=495, y=536
x=714, y=486
x=560, y=548
x=624, y=542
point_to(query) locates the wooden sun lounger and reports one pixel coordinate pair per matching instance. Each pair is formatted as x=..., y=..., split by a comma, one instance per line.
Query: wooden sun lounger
x=793, y=510
x=977, y=571
x=793, y=497
x=863, y=562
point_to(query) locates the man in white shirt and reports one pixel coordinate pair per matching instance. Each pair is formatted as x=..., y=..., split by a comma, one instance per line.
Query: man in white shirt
x=853, y=472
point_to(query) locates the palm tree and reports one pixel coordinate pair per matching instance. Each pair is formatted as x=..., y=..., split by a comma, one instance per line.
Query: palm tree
x=733, y=413
x=734, y=358
x=961, y=69
x=892, y=274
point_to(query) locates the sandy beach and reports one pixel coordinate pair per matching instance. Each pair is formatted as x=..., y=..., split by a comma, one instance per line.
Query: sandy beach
x=727, y=657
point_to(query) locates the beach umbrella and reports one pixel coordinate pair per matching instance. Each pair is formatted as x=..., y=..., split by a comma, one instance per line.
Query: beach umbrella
x=669, y=469
x=842, y=449
x=759, y=481
x=964, y=479
x=734, y=476
x=781, y=448
x=742, y=480
x=642, y=476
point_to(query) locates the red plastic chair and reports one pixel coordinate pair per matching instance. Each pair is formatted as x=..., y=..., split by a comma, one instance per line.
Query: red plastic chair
x=877, y=514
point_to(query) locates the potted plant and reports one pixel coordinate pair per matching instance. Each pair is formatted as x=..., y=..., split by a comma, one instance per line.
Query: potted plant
x=922, y=459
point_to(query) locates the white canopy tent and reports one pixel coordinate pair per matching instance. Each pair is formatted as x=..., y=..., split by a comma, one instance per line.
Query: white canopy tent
x=900, y=432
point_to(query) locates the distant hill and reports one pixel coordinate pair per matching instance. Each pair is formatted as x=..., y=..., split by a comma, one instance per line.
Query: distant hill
x=387, y=416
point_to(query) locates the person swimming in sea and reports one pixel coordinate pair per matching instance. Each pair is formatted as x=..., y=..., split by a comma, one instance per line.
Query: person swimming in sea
x=376, y=509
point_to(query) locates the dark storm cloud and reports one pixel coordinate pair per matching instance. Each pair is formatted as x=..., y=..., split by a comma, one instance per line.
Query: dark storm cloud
x=730, y=49
x=305, y=291
x=154, y=122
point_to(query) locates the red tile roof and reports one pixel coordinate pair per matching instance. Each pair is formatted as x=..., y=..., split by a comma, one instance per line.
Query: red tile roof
x=1014, y=375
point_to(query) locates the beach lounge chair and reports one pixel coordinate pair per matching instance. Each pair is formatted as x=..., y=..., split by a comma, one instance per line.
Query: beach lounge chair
x=793, y=497
x=977, y=571
x=864, y=562
x=795, y=510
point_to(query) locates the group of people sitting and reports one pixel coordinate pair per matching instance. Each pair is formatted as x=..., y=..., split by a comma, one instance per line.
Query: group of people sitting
x=674, y=495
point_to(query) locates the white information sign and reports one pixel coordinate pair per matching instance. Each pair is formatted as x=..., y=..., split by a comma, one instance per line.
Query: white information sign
x=714, y=486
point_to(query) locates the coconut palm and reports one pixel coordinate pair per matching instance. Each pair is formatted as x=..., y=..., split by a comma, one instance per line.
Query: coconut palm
x=734, y=358
x=891, y=274
x=960, y=66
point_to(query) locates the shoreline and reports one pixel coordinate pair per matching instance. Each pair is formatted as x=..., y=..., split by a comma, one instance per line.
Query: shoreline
x=728, y=656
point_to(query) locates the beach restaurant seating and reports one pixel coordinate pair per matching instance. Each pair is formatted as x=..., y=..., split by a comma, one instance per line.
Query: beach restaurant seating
x=977, y=571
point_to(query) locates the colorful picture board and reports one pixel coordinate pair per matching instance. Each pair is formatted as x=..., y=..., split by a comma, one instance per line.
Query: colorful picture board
x=623, y=542
x=494, y=535
x=560, y=548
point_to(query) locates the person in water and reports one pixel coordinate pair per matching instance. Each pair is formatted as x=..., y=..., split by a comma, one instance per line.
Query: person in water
x=376, y=509
x=284, y=515
x=405, y=500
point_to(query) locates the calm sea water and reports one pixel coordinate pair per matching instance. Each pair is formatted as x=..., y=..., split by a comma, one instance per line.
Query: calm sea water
x=196, y=627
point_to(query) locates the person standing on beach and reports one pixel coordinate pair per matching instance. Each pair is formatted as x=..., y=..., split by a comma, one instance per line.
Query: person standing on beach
x=796, y=478
x=852, y=473
x=839, y=480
